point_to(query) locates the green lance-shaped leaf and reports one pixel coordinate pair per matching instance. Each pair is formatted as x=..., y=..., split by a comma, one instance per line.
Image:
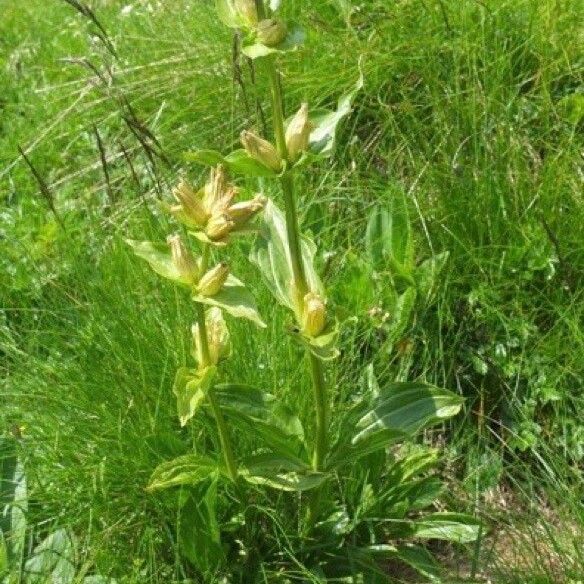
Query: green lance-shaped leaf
x=325, y=122
x=280, y=472
x=53, y=560
x=408, y=407
x=271, y=254
x=457, y=527
x=238, y=162
x=389, y=238
x=189, y=469
x=347, y=453
x=295, y=37
x=190, y=388
x=235, y=299
x=266, y=416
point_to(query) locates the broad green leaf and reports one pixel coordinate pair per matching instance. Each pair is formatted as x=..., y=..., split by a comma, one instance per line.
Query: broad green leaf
x=349, y=453
x=53, y=560
x=235, y=299
x=265, y=415
x=389, y=238
x=190, y=388
x=456, y=527
x=408, y=407
x=189, y=469
x=228, y=14
x=240, y=162
x=325, y=122
x=272, y=256
x=280, y=472
x=294, y=39
x=159, y=258
x=199, y=536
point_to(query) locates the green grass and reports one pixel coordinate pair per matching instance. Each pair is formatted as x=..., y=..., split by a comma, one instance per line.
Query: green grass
x=472, y=107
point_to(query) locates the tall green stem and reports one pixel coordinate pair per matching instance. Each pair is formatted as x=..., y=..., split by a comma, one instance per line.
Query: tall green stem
x=293, y=232
x=224, y=439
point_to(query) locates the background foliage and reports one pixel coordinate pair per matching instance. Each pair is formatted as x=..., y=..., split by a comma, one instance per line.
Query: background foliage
x=473, y=109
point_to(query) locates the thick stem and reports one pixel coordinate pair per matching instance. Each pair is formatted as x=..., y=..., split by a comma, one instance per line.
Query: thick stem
x=321, y=405
x=224, y=439
x=299, y=273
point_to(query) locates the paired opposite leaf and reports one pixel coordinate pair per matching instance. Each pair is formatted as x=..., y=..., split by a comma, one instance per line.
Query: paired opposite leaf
x=235, y=299
x=272, y=256
x=190, y=388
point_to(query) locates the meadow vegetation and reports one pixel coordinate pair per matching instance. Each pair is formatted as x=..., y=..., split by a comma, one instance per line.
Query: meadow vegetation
x=471, y=112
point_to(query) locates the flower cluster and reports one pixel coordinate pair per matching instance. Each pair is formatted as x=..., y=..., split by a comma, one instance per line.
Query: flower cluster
x=211, y=211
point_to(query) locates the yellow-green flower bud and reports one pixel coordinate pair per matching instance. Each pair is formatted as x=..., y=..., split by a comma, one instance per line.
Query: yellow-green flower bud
x=248, y=11
x=183, y=261
x=261, y=150
x=190, y=207
x=216, y=194
x=271, y=31
x=241, y=213
x=219, y=227
x=313, y=315
x=213, y=280
x=298, y=133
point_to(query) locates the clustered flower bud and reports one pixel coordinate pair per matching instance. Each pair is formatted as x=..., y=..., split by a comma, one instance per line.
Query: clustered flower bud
x=248, y=11
x=313, y=315
x=210, y=210
x=271, y=31
x=298, y=133
x=261, y=150
x=212, y=282
x=183, y=261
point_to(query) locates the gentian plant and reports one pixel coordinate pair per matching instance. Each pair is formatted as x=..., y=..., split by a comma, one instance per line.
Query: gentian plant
x=363, y=481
